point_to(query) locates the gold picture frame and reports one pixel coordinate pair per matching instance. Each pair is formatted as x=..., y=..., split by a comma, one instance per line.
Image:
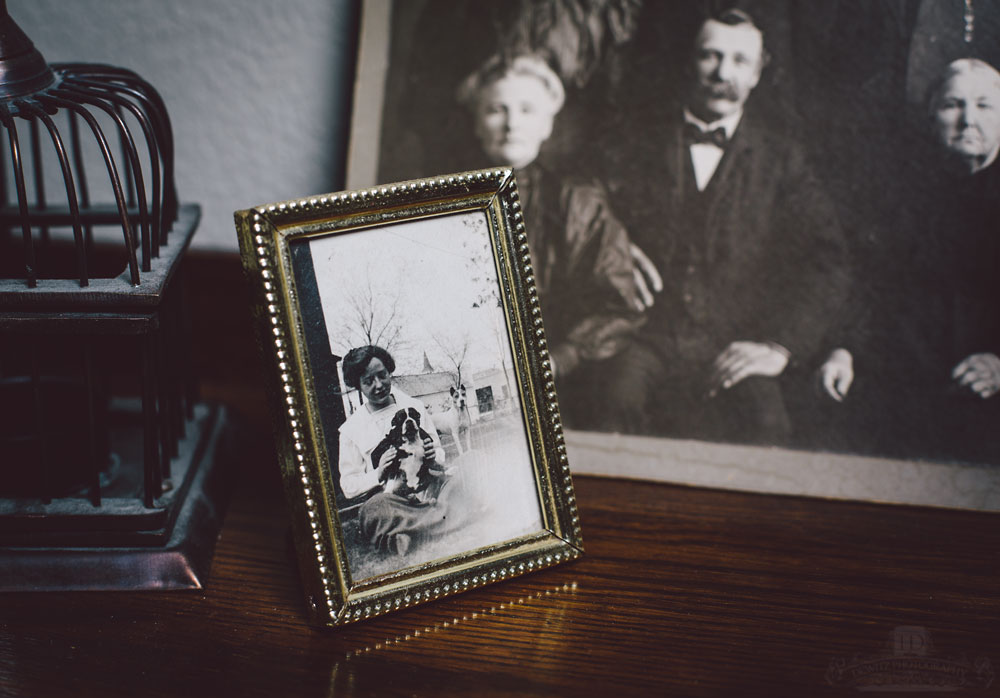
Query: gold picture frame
x=414, y=251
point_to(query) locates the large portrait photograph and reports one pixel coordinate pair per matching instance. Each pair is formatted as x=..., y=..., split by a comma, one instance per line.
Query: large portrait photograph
x=762, y=231
x=412, y=391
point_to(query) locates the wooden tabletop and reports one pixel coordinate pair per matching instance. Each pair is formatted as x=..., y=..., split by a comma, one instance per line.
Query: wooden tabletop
x=682, y=591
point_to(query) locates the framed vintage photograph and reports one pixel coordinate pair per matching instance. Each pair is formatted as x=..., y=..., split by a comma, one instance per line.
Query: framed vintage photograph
x=797, y=227
x=413, y=392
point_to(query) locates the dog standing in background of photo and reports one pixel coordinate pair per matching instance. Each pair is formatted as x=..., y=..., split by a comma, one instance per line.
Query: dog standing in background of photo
x=457, y=420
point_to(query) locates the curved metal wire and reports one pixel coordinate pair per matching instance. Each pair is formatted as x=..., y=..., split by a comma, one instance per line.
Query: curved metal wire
x=139, y=185
x=129, y=82
x=22, y=198
x=81, y=176
x=81, y=91
x=57, y=141
x=109, y=162
x=152, y=147
x=36, y=158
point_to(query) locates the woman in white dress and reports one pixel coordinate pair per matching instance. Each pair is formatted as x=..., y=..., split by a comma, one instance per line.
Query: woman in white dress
x=392, y=519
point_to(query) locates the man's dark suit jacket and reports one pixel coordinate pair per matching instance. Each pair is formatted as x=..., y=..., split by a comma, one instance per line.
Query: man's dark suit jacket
x=757, y=256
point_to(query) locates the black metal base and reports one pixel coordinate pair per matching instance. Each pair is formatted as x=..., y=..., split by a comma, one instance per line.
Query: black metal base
x=174, y=553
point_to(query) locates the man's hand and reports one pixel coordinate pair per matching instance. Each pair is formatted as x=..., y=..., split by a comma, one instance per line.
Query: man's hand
x=744, y=359
x=980, y=373
x=647, y=279
x=837, y=373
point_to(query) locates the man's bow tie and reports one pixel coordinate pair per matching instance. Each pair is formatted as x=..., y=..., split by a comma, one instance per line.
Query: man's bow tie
x=693, y=135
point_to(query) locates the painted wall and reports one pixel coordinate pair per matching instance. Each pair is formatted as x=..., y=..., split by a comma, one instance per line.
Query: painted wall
x=257, y=90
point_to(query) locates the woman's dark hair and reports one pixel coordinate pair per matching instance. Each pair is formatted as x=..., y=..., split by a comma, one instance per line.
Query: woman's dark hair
x=357, y=361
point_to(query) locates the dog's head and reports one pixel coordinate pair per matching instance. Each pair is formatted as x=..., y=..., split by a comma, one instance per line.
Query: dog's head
x=406, y=423
x=458, y=396
x=395, y=434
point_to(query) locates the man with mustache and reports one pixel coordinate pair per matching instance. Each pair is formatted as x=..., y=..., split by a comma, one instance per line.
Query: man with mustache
x=749, y=248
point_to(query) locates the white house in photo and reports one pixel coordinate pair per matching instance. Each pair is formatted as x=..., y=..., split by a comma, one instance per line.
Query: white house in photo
x=495, y=388
x=433, y=389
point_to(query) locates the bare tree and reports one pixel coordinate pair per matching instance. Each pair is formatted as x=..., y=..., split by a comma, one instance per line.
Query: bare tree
x=371, y=316
x=481, y=272
x=455, y=348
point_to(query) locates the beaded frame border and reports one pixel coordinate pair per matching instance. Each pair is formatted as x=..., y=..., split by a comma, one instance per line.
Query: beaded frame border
x=265, y=233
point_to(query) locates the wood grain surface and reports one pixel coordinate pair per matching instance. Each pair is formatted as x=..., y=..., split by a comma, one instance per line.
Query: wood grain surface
x=682, y=591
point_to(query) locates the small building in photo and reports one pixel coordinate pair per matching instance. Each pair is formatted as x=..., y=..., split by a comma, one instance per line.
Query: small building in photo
x=494, y=390
x=432, y=389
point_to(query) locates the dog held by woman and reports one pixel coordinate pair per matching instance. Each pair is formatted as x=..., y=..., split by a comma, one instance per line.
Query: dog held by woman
x=409, y=473
x=391, y=455
x=413, y=505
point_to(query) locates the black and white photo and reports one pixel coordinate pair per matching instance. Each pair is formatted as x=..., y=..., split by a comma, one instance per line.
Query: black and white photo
x=433, y=457
x=412, y=389
x=754, y=223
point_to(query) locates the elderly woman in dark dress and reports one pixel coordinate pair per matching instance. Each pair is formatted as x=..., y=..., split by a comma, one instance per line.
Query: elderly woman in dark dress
x=585, y=267
x=927, y=350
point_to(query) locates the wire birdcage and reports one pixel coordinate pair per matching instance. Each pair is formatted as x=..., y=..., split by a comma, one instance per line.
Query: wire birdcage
x=83, y=96
x=97, y=397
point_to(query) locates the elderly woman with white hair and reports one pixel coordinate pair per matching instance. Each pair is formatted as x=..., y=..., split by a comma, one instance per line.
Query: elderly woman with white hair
x=928, y=357
x=592, y=294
